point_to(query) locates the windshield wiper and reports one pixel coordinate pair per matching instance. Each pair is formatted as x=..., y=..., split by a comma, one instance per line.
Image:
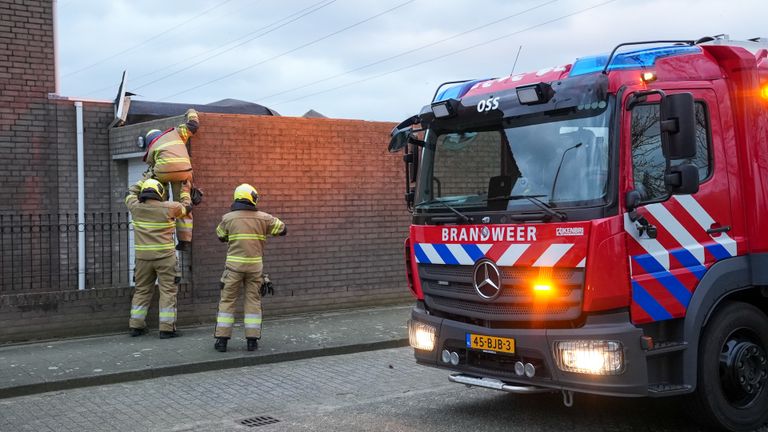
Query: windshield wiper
x=547, y=208
x=560, y=165
x=462, y=216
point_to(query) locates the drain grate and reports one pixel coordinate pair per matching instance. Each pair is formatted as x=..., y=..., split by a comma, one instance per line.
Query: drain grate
x=259, y=421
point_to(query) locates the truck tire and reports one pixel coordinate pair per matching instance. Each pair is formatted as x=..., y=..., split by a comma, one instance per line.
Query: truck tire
x=731, y=391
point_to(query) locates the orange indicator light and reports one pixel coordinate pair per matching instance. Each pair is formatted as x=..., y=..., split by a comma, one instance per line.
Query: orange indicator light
x=542, y=286
x=648, y=77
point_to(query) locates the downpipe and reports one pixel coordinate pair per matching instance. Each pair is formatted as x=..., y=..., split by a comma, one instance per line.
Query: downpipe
x=80, y=197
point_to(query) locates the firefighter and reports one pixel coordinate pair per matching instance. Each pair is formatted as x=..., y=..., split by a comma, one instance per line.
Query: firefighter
x=168, y=160
x=245, y=229
x=154, y=220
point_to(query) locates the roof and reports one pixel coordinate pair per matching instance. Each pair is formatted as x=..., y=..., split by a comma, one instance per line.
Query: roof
x=313, y=114
x=142, y=111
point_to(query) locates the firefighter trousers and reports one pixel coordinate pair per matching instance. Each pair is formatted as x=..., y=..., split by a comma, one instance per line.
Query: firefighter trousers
x=231, y=282
x=164, y=271
x=183, y=224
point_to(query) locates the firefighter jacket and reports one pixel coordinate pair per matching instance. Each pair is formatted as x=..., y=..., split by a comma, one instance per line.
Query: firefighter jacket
x=154, y=224
x=246, y=230
x=168, y=153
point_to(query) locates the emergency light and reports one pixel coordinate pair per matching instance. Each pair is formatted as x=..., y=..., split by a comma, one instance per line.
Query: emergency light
x=648, y=77
x=534, y=93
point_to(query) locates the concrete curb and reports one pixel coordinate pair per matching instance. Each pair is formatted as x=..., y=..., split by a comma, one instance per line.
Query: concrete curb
x=193, y=367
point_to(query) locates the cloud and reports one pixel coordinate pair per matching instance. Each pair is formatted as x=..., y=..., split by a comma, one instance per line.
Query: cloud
x=90, y=31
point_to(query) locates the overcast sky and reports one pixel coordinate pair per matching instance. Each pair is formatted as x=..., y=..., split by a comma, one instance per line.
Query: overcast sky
x=363, y=59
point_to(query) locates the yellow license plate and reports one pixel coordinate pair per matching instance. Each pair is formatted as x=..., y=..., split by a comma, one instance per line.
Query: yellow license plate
x=490, y=343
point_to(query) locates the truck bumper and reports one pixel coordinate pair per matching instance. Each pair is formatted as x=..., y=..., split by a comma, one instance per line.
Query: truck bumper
x=536, y=346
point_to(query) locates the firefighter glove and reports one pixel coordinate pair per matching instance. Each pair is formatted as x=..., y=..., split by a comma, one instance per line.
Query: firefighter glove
x=197, y=196
x=266, y=287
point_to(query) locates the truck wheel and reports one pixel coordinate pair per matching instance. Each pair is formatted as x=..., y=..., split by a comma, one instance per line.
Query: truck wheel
x=733, y=369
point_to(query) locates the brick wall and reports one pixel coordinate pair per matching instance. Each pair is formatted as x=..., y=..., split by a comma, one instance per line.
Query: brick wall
x=37, y=134
x=336, y=188
x=26, y=78
x=98, y=161
x=38, y=196
x=331, y=181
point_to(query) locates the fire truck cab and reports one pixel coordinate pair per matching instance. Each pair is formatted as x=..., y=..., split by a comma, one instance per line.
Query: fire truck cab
x=598, y=227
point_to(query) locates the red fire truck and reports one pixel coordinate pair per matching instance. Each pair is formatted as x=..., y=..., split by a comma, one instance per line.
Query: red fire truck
x=598, y=227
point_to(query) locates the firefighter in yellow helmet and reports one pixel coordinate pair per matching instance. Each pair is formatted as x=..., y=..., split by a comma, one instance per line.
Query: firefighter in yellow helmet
x=245, y=229
x=154, y=220
x=169, y=162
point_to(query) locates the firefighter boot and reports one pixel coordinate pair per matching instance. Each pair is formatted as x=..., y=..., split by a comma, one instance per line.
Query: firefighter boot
x=221, y=344
x=253, y=344
x=169, y=334
x=137, y=331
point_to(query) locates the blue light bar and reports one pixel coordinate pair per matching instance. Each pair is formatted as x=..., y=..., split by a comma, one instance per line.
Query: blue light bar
x=629, y=60
x=456, y=91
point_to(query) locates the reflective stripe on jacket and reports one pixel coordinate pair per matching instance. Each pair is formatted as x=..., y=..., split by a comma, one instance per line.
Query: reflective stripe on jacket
x=168, y=153
x=246, y=232
x=154, y=223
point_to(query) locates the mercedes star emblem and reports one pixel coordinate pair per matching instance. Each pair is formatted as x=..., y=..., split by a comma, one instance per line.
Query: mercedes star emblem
x=487, y=279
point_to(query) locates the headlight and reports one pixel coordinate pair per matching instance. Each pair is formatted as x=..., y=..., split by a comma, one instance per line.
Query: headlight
x=421, y=336
x=594, y=357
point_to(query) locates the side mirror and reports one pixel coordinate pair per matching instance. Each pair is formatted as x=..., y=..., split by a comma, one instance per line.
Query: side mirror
x=401, y=133
x=682, y=179
x=632, y=201
x=399, y=139
x=678, y=126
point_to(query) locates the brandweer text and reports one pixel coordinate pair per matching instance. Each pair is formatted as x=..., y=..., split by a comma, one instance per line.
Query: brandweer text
x=510, y=234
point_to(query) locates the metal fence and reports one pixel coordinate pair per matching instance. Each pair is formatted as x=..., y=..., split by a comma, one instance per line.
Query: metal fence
x=40, y=252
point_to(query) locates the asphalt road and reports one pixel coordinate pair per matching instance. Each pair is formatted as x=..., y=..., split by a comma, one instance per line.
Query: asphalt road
x=372, y=391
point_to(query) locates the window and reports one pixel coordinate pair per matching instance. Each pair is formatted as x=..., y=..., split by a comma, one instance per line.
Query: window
x=648, y=162
x=561, y=159
x=465, y=162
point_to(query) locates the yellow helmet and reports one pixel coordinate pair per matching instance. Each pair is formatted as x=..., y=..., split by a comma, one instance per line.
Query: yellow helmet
x=247, y=192
x=152, y=186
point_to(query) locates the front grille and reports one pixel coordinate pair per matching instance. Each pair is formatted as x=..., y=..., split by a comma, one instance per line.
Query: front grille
x=449, y=289
x=497, y=311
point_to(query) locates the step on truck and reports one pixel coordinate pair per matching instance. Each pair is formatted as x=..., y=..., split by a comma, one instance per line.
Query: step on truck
x=599, y=227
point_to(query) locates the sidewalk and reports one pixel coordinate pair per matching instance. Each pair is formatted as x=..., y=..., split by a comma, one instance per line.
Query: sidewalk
x=64, y=364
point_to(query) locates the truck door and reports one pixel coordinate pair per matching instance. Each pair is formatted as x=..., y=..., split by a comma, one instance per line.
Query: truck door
x=691, y=232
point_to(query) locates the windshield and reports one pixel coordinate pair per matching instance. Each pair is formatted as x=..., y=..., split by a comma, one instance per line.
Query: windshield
x=561, y=160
